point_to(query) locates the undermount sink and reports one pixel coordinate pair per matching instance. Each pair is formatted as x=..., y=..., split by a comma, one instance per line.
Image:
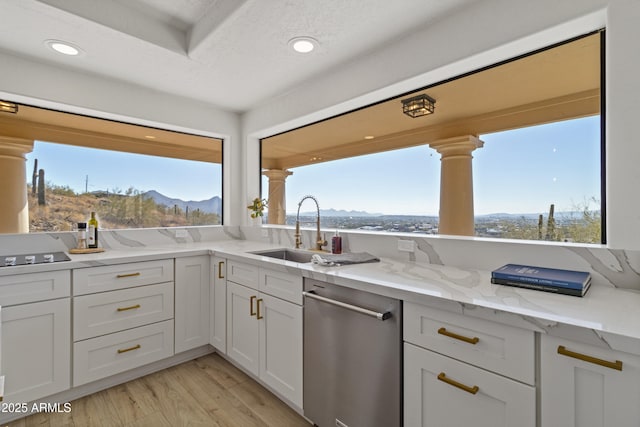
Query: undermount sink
x=292, y=255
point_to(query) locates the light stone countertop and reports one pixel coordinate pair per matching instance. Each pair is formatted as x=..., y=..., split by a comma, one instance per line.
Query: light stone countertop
x=604, y=311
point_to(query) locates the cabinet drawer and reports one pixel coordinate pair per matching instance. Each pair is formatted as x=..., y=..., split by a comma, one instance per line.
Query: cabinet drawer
x=490, y=345
x=111, y=354
x=282, y=285
x=441, y=391
x=34, y=287
x=107, y=312
x=243, y=274
x=112, y=277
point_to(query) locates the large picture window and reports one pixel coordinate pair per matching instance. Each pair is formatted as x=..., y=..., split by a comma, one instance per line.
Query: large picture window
x=510, y=151
x=131, y=176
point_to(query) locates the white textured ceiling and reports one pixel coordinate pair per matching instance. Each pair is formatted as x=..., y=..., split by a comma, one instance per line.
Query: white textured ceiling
x=230, y=53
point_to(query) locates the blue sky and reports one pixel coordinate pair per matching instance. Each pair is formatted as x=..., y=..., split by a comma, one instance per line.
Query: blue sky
x=520, y=171
x=68, y=165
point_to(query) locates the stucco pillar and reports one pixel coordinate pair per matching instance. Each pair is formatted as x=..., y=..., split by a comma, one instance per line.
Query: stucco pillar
x=277, y=196
x=14, y=207
x=456, y=184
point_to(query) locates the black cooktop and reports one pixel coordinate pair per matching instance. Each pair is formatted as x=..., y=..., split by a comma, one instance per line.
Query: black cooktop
x=26, y=259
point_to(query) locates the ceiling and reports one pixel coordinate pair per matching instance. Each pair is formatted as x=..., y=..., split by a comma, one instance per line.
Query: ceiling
x=556, y=84
x=233, y=54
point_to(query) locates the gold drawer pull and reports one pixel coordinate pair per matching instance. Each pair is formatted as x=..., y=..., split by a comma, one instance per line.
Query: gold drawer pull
x=259, y=316
x=124, y=350
x=251, y=300
x=131, y=307
x=443, y=331
x=617, y=365
x=443, y=377
x=220, y=264
x=122, y=276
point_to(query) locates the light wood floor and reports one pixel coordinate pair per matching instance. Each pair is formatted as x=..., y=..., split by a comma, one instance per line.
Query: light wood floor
x=208, y=391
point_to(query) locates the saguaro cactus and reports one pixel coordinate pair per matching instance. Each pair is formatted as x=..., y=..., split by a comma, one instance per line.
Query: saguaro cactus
x=41, y=198
x=551, y=225
x=34, y=177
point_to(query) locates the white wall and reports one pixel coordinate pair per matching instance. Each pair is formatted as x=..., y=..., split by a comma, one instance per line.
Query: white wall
x=478, y=36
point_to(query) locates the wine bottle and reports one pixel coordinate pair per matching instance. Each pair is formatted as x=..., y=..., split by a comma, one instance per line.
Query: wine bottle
x=93, y=231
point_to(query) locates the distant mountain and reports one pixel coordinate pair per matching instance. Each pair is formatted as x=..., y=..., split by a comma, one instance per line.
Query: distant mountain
x=212, y=205
x=343, y=213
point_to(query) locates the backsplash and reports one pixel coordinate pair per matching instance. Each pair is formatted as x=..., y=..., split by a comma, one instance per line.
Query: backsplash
x=612, y=268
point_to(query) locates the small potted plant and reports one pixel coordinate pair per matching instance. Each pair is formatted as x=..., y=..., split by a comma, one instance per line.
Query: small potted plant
x=257, y=208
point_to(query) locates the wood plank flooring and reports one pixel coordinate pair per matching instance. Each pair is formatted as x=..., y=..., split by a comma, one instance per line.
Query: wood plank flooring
x=207, y=391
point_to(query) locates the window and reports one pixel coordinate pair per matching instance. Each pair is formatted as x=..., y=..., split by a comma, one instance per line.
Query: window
x=536, y=174
x=131, y=176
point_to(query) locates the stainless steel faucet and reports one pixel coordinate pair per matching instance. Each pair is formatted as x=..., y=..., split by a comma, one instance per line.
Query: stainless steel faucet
x=320, y=241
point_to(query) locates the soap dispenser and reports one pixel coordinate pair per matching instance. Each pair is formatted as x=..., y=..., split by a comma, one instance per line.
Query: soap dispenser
x=336, y=244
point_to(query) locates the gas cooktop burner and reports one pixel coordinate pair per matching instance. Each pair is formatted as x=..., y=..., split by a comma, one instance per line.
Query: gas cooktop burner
x=43, y=258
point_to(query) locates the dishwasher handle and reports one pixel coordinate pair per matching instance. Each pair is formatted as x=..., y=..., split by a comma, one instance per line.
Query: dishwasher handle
x=380, y=316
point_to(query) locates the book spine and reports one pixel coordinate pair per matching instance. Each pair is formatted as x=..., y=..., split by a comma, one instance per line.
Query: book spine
x=538, y=287
x=536, y=280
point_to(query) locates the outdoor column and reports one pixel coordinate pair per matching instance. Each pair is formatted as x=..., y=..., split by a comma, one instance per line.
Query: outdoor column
x=277, y=199
x=14, y=207
x=456, y=184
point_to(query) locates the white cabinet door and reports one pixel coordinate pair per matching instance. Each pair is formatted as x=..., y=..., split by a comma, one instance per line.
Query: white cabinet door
x=36, y=349
x=591, y=392
x=218, y=304
x=192, y=285
x=440, y=391
x=242, y=326
x=281, y=346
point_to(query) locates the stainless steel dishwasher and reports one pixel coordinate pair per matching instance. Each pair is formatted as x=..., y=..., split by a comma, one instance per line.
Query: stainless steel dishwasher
x=352, y=357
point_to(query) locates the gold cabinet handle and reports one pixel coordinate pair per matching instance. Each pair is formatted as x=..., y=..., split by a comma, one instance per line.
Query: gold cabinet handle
x=131, y=307
x=617, y=365
x=259, y=316
x=220, y=264
x=443, y=331
x=443, y=377
x=251, y=300
x=124, y=350
x=122, y=276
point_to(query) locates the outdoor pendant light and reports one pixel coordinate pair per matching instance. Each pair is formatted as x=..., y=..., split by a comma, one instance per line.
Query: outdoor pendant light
x=418, y=106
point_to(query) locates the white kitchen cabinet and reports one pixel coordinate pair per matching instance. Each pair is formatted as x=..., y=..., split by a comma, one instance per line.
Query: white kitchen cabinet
x=587, y=386
x=218, y=305
x=124, y=316
x=121, y=276
x=462, y=370
x=264, y=335
x=107, y=355
x=192, y=287
x=242, y=326
x=281, y=346
x=36, y=349
x=490, y=345
x=441, y=391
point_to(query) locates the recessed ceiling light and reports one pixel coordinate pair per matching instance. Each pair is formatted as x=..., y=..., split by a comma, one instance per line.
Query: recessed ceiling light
x=150, y=137
x=64, y=48
x=369, y=137
x=303, y=44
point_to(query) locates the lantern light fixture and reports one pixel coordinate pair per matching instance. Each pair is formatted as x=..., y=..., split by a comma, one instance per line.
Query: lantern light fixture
x=418, y=106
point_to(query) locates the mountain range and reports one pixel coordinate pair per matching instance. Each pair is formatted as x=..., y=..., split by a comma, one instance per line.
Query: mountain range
x=212, y=205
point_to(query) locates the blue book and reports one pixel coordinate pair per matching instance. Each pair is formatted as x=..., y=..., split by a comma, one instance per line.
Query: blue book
x=542, y=276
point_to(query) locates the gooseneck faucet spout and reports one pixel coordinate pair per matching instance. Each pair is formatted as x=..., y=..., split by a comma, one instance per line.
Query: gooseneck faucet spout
x=320, y=241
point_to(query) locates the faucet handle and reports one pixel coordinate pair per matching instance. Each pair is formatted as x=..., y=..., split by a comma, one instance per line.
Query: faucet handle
x=322, y=242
